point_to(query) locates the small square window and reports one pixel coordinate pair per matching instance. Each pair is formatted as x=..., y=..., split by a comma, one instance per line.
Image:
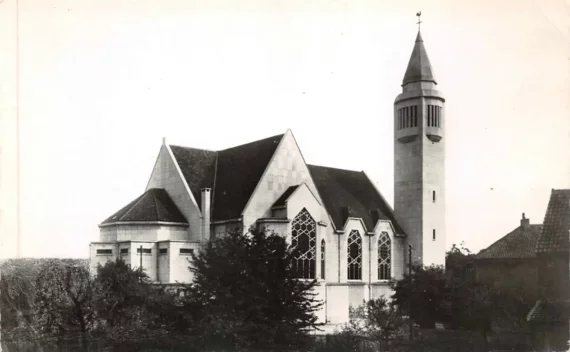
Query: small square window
x=105, y=252
x=163, y=250
x=144, y=250
x=124, y=251
x=186, y=250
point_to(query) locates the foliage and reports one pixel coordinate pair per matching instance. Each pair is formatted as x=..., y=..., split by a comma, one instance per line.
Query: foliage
x=245, y=294
x=63, y=297
x=426, y=293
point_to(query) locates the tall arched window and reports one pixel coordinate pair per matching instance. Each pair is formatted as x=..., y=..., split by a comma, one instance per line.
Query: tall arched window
x=323, y=259
x=304, y=243
x=384, y=256
x=354, y=259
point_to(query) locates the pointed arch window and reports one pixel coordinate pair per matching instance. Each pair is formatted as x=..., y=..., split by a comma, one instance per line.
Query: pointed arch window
x=384, y=256
x=354, y=259
x=304, y=243
x=323, y=247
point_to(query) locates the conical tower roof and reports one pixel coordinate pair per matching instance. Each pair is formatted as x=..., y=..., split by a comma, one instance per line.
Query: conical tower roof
x=419, y=67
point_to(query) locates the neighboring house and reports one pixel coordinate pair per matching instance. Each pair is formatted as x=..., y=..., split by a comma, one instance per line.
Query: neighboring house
x=345, y=233
x=550, y=316
x=511, y=262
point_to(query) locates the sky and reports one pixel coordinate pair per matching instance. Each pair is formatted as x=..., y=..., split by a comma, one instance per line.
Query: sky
x=102, y=82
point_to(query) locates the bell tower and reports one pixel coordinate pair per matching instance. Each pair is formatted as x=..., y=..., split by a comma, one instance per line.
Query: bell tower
x=419, y=159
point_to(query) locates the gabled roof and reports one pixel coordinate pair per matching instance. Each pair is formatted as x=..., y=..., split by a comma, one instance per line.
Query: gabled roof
x=280, y=202
x=518, y=244
x=348, y=193
x=555, y=232
x=419, y=67
x=232, y=173
x=155, y=205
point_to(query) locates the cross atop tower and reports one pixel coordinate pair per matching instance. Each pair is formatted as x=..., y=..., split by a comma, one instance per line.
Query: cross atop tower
x=419, y=14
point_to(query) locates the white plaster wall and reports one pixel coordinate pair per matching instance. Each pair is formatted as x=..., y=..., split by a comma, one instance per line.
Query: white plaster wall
x=286, y=168
x=337, y=303
x=179, y=263
x=108, y=234
x=166, y=175
x=149, y=261
x=145, y=233
x=95, y=259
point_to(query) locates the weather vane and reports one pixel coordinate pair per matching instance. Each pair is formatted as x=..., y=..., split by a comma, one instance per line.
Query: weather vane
x=419, y=14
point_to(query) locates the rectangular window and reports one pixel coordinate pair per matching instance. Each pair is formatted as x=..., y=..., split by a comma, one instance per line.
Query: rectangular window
x=186, y=250
x=415, y=121
x=124, y=251
x=144, y=250
x=434, y=234
x=433, y=196
x=163, y=250
x=104, y=252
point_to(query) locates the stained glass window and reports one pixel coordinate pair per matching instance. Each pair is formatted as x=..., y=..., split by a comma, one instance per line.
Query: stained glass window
x=304, y=243
x=323, y=259
x=354, y=259
x=384, y=256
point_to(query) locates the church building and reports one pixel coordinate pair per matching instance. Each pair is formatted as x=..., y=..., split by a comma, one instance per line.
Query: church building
x=345, y=233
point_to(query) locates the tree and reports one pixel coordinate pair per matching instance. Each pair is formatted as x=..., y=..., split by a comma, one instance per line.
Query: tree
x=426, y=293
x=63, y=297
x=246, y=293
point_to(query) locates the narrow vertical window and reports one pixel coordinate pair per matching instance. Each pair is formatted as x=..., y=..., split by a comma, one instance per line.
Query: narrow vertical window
x=433, y=196
x=323, y=259
x=304, y=243
x=384, y=257
x=434, y=234
x=354, y=256
x=400, y=119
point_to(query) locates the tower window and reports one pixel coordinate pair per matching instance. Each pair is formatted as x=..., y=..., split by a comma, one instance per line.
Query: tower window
x=434, y=234
x=433, y=196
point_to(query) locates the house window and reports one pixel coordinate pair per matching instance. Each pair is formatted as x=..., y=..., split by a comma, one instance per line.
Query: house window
x=186, y=250
x=322, y=259
x=163, y=250
x=384, y=256
x=104, y=252
x=144, y=250
x=304, y=244
x=124, y=251
x=433, y=234
x=354, y=256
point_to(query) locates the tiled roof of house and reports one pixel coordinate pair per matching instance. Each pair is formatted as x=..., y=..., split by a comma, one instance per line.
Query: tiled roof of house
x=351, y=194
x=152, y=206
x=555, y=234
x=518, y=244
x=232, y=173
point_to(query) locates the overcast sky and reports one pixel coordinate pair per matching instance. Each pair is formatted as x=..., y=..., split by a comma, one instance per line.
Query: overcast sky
x=101, y=82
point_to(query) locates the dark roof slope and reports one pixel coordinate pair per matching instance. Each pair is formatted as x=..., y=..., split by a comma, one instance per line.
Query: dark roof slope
x=280, y=202
x=239, y=169
x=555, y=236
x=198, y=167
x=153, y=205
x=419, y=67
x=548, y=312
x=350, y=193
x=518, y=244
x=232, y=174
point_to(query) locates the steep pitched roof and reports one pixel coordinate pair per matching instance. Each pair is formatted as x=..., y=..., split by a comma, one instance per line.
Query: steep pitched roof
x=152, y=206
x=232, y=173
x=518, y=244
x=239, y=170
x=555, y=232
x=348, y=193
x=198, y=167
x=419, y=67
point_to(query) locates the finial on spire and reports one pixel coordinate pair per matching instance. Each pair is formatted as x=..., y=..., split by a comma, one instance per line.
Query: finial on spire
x=419, y=14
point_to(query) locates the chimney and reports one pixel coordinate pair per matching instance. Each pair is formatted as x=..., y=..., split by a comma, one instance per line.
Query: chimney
x=205, y=206
x=524, y=222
